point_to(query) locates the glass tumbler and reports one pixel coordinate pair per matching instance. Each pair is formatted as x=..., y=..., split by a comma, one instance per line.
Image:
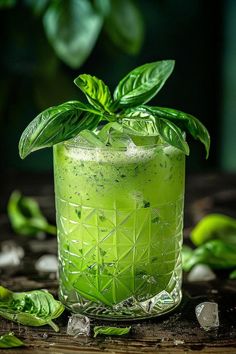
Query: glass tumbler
x=120, y=220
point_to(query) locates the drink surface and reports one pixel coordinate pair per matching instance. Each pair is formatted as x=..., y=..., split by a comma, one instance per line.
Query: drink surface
x=119, y=219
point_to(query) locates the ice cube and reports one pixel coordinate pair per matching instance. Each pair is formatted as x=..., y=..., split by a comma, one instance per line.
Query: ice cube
x=201, y=272
x=78, y=325
x=11, y=254
x=47, y=263
x=207, y=315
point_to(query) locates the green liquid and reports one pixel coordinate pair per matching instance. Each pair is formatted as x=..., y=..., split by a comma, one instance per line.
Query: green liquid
x=119, y=219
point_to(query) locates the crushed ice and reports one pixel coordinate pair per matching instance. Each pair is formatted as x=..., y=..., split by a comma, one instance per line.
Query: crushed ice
x=11, y=254
x=201, y=272
x=207, y=315
x=47, y=263
x=78, y=325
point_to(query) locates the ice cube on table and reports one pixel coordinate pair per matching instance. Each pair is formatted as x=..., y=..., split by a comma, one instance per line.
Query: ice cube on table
x=201, y=272
x=207, y=315
x=47, y=263
x=11, y=254
x=78, y=325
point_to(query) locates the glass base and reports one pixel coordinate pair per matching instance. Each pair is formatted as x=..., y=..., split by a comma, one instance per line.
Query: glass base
x=129, y=309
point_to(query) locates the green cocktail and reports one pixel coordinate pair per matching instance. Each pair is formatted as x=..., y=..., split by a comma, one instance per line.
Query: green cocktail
x=119, y=218
x=119, y=185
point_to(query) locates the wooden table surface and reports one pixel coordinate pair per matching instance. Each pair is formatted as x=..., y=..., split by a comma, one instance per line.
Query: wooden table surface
x=178, y=332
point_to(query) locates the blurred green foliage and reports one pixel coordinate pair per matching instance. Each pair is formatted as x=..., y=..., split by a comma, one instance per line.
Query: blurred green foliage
x=34, y=77
x=73, y=26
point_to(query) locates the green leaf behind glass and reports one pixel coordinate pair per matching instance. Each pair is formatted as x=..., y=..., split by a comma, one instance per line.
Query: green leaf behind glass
x=214, y=226
x=26, y=217
x=72, y=27
x=31, y=308
x=142, y=83
x=233, y=274
x=57, y=124
x=10, y=341
x=124, y=25
x=185, y=121
x=97, y=93
x=111, y=331
x=168, y=131
x=218, y=254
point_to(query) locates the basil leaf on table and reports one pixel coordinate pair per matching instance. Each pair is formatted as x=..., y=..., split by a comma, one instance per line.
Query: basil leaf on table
x=168, y=131
x=97, y=93
x=9, y=340
x=142, y=83
x=215, y=253
x=57, y=124
x=233, y=274
x=31, y=308
x=111, y=331
x=214, y=226
x=184, y=120
x=26, y=217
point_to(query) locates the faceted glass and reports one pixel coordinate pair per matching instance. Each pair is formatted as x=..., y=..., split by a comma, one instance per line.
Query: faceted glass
x=119, y=220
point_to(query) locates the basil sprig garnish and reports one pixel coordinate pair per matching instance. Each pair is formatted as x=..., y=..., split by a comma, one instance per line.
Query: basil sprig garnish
x=127, y=107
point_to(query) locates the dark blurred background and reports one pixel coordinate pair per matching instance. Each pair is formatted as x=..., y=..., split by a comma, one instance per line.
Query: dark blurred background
x=46, y=44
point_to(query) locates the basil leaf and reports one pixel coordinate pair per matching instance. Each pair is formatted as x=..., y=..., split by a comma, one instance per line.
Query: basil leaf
x=218, y=254
x=111, y=331
x=31, y=308
x=186, y=254
x=185, y=121
x=7, y=3
x=232, y=274
x=124, y=25
x=167, y=130
x=72, y=28
x=142, y=83
x=214, y=226
x=56, y=124
x=26, y=217
x=10, y=341
x=97, y=93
